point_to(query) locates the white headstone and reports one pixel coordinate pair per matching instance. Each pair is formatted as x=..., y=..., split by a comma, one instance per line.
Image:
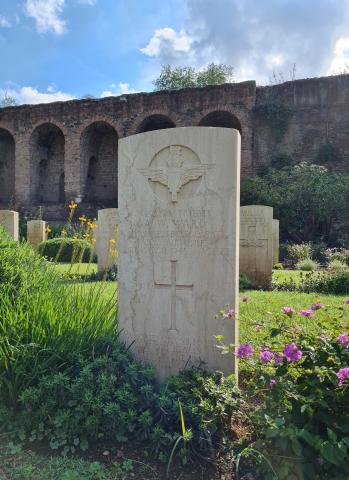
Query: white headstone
x=276, y=241
x=178, y=245
x=36, y=232
x=106, y=232
x=256, y=244
x=10, y=221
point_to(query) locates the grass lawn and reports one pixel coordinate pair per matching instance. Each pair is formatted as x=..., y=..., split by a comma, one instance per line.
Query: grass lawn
x=77, y=268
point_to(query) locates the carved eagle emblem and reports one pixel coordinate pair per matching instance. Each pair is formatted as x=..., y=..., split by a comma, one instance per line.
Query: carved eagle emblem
x=175, y=175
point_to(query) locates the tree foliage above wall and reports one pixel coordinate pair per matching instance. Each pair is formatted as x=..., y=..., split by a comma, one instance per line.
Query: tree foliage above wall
x=175, y=78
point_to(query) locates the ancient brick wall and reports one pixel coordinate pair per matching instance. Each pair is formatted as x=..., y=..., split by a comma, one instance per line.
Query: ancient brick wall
x=53, y=153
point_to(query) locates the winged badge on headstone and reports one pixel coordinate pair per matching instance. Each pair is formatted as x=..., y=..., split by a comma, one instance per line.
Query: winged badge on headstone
x=175, y=176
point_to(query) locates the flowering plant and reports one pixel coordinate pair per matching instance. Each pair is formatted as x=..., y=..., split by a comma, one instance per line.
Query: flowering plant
x=299, y=380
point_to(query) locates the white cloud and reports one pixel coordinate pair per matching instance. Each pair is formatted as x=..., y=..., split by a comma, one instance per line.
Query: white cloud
x=5, y=22
x=30, y=95
x=167, y=41
x=46, y=14
x=122, y=89
x=340, y=60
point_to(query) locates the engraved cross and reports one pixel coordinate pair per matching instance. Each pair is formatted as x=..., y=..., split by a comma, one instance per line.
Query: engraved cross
x=174, y=286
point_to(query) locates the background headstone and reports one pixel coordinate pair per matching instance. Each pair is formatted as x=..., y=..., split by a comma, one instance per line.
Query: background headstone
x=256, y=244
x=178, y=245
x=36, y=232
x=10, y=221
x=276, y=241
x=107, y=229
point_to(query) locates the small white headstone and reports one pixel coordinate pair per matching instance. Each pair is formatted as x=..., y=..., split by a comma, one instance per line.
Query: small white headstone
x=178, y=245
x=256, y=244
x=10, y=221
x=36, y=232
x=276, y=241
x=106, y=235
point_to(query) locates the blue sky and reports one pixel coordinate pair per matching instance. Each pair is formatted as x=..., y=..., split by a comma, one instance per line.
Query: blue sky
x=60, y=49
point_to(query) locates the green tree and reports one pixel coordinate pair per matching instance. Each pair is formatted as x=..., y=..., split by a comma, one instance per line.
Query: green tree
x=7, y=101
x=308, y=199
x=174, y=78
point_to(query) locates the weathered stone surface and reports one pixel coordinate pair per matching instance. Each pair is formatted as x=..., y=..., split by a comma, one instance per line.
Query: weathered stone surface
x=178, y=245
x=256, y=243
x=36, y=233
x=10, y=221
x=107, y=231
x=276, y=241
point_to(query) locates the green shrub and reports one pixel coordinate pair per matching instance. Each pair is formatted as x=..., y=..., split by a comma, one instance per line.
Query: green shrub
x=302, y=401
x=244, y=282
x=45, y=324
x=67, y=250
x=108, y=398
x=278, y=266
x=298, y=252
x=339, y=254
x=336, y=283
x=307, y=265
x=337, y=266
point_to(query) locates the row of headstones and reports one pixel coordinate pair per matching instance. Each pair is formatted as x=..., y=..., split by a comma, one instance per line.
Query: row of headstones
x=259, y=238
x=36, y=232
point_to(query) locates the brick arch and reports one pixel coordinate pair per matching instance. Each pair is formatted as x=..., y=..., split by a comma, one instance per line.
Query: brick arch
x=99, y=163
x=155, y=121
x=221, y=118
x=7, y=166
x=47, y=156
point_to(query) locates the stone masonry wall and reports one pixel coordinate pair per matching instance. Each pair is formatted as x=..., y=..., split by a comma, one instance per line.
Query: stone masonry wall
x=76, y=141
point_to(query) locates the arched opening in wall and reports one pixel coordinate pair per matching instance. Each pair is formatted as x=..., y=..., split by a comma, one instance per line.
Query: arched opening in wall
x=47, y=164
x=99, y=163
x=221, y=119
x=155, y=122
x=7, y=167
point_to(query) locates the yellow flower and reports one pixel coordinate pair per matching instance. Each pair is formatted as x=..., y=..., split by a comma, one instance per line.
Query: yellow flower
x=93, y=240
x=48, y=229
x=82, y=219
x=63, y=233
x=112, y=241
x=72, y=205
x=86, y=235
x=75, y=237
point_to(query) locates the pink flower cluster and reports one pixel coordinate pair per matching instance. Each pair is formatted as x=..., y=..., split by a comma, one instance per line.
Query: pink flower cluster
x=317, y=306
x=346, y=301
x=343, y=339
x=265, y=355
x=229, y=314
x=289, y=311
x=307, y=313
x=292, y=353
x=342, y=375
x=245, y=350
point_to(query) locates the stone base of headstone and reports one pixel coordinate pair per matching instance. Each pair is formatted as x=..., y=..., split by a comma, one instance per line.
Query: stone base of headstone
x=36, y=232
x=9, y=219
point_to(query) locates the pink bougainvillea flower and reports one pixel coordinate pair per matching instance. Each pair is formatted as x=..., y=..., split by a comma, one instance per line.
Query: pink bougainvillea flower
x=289, y=311
x=278, y=358
x=292, y=353
x=265, y=356
x=273, y=382
x=244, y=298
x=306, y=313
x=317, y=306
x=346, y=301
x=343, y=339
x=245, y=350
x=342, y=375
x=229, y=314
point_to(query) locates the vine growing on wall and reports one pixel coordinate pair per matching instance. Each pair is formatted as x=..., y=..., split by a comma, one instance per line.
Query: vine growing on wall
x=276, y=115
